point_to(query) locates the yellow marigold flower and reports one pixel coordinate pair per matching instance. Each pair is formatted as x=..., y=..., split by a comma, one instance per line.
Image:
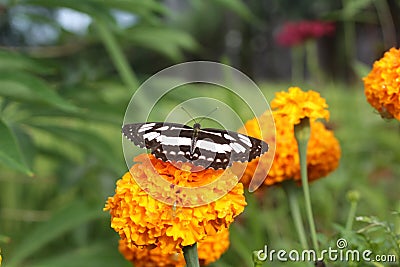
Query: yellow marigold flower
x=323, y=151
x=323, y=154
x=209, y=250
x=382, y=85
x=297, y=104
x=141, y=220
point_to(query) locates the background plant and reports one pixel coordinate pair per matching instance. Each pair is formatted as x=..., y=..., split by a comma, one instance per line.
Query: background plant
x=64, y=91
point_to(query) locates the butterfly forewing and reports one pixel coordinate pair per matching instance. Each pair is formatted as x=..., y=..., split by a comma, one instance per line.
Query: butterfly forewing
x=210, y=148
x=166, y=141
x=150, y=135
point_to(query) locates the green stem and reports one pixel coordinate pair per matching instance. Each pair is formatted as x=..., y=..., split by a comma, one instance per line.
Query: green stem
x=349, y=34
x=350, y=217
x=353, y=196
x=117, y=56
x=302, y=133
x=191, y=257
x=312, y=60
x=297, y=63
x=291, y=193
x=387, y=24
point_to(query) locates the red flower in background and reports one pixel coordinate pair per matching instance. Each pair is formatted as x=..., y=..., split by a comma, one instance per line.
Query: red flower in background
x=295, y=33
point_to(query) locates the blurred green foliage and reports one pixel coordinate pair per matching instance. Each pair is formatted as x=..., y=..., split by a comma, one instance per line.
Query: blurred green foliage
x=63, y=96
x=62, y=106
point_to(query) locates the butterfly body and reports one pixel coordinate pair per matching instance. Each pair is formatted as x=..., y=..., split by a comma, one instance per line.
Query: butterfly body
x=208, y=147
x=196, y=129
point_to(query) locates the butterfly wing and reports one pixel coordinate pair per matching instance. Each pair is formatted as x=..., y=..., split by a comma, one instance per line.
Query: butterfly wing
x=213, y=148
x=166, y=141
x=228, y=147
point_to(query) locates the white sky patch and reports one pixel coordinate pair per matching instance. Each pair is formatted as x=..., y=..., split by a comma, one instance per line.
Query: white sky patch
x=73, y=21
x=35, y=32
x=124, y=19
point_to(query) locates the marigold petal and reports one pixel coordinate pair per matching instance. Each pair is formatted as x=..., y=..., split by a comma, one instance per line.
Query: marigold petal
x=141, y=220
x=382, y=85
x=323, y=151
x=297, y=104
x=209, y=250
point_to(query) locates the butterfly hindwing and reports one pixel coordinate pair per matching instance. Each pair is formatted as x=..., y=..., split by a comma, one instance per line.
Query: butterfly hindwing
x=213, y=148
x=243, y=148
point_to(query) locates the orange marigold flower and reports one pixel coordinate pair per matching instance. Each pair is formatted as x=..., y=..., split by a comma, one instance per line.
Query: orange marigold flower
x=142, y=220
x=209, y=250
x=382, y=85
x=297, y=104
x=323, y=154
x=323, y=151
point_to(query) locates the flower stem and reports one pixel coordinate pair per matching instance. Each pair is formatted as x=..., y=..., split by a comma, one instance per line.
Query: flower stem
x=191, y=257
x=353, y=197
x=291, y=193
x=297, y=63
x=302, y=133
x=387, y=24
x=312, y=59
x=349, y=34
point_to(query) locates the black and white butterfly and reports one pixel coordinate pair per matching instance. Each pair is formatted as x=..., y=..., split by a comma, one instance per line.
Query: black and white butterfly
x=209, y=148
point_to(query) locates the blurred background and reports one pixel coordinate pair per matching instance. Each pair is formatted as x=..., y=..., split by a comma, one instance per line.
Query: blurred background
x=69, y=68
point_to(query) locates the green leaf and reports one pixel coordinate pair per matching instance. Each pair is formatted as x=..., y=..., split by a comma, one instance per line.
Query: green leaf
x=70, y=217
x=11, y=60
x=355, y=10
x=361, y=69
x=239, y=8
x=10, y=154
x=354, y=7
x=237, y=236
x=26, y=145
x=173, y=41
x=148, y=11
x=132, y=5
x=87, y=7
x=92, y=7
x=26, y=87
x=90, y=141
x=103, y=254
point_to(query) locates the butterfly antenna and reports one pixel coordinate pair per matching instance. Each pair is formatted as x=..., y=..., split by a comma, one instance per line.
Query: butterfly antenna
x=190, y=115
x=204, y=117
x=209, y=113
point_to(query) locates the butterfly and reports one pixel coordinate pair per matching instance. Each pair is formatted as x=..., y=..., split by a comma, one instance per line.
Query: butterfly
x=208, y=147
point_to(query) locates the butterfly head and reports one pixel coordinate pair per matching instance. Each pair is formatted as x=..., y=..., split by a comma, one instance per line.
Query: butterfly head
x=196, y=126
